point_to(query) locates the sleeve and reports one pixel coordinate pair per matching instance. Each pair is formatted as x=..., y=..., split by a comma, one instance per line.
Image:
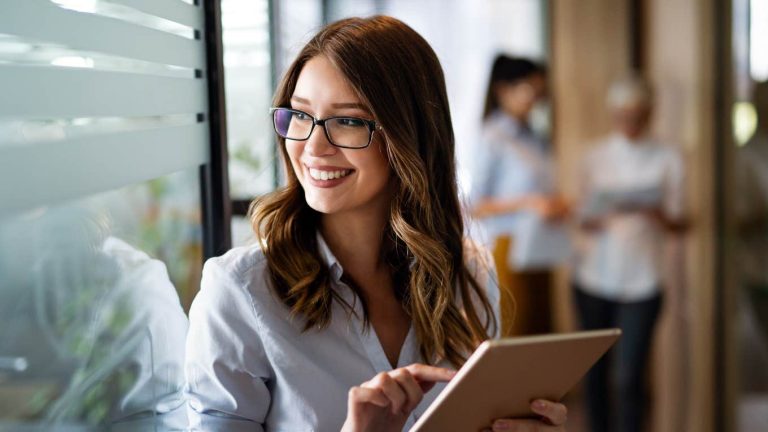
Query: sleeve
x=493, y=293
x=481, y=266
x=484, y=172
x=674, y=187
x=226, y=366
x=586, y=206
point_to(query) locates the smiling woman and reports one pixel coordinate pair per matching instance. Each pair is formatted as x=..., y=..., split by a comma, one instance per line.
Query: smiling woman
x=362, y=292
x=319, y=163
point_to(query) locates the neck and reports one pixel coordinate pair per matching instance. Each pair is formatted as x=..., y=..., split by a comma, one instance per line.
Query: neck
x=356, y=238
x=633, y=138
x=520, y=117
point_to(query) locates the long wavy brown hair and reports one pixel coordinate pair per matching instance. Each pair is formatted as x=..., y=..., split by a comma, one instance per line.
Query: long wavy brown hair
x=398, y=77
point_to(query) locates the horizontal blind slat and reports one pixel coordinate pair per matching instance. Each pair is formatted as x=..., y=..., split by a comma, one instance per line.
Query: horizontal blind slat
x=172, y=10
x=44, y=21
x=50, y=172
x=45, y=92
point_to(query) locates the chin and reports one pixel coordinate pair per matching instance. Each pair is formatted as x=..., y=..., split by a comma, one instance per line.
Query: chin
x=321, y=205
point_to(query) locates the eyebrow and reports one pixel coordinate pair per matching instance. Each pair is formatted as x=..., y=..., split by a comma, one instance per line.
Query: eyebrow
x=334, y=105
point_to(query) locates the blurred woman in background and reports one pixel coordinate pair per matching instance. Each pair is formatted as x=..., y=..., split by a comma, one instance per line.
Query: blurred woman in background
x=514, y=197
x=630, y=198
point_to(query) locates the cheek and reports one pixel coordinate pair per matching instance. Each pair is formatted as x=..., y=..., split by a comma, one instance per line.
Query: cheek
x=377, y=165
x=294, y=149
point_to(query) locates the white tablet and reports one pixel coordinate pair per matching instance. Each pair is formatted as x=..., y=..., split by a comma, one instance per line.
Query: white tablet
x=503, y=377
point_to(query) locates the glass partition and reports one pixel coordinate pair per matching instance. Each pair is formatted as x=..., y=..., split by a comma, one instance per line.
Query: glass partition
x=92, y=296
x=746, y=207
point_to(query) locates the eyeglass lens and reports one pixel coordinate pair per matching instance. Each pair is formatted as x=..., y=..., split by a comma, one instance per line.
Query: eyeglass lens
x=342, y=131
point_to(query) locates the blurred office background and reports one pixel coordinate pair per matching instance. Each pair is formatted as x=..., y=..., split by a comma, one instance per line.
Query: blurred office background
x=134, y=133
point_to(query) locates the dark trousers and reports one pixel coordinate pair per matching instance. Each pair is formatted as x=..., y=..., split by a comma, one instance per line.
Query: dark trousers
x=623, y=368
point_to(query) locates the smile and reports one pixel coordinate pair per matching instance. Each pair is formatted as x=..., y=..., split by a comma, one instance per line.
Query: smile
x=328, y=175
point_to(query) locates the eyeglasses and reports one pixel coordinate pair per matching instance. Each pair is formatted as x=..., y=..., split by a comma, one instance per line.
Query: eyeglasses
x=345, y=132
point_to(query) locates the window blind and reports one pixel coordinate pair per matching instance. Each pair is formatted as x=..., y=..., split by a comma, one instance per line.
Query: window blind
x=96, y=95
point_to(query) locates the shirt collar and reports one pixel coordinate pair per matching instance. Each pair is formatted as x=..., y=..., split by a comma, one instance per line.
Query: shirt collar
x=333, y=264
x=623, y=142
x=329, y=258
x=513, y=129
x=508, y=124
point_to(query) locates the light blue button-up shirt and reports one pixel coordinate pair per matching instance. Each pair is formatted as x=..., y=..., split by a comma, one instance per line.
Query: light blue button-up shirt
x=250, y=367
x=511, y=162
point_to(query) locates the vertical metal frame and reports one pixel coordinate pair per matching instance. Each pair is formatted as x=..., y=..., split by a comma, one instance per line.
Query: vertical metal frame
x=724, y=416
x=276, y=70
x=637, y=34
x=214, y=176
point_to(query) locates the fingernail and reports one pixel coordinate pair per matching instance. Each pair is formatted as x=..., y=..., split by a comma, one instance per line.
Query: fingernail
x=539, y=404
x=501, y=425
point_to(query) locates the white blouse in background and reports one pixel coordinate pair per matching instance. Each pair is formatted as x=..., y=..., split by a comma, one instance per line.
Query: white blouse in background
x=250, y=367
x=623, y=261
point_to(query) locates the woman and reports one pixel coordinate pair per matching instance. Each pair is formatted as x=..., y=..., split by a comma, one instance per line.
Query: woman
x=353, y=307
x=513, y=195
x=631, y=198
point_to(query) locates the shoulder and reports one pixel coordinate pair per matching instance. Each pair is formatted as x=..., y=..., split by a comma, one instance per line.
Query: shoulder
x=595, y=153
x=475, y=254
x=240, y=264
x=600, y=148
x=499, y=129
x=234, y=281
x=480, y=265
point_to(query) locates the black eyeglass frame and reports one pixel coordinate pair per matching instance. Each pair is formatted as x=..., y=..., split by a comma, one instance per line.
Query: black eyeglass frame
x=372, y=127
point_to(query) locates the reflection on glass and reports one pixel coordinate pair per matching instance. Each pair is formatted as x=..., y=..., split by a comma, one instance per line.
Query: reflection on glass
x=126, y=13
x=758, y=36
x=93, y=329
x=248, y=81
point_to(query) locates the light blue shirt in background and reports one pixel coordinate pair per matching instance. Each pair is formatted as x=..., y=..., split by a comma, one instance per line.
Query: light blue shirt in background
x=511, y=163
x=250, y=367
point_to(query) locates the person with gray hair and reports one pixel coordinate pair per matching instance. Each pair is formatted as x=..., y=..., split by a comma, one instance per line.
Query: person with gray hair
x=630, y=198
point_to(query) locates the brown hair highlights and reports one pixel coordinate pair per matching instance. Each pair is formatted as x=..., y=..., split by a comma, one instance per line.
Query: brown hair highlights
x=398, y=77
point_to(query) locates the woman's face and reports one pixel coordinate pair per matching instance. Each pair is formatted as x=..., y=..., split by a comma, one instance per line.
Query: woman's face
x=336, y=180
x=632, y=120
x=518, y=98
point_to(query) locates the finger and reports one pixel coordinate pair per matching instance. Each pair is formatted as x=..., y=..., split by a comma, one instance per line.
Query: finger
x=393, y=392
x=515, y=425
x=428, y=375
x=361, y=395
x=410, y=386
x=554, y=413
x=523, y=425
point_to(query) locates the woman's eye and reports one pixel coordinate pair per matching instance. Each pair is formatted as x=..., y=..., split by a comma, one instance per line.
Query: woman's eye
x=301, y=116
x=351, y=122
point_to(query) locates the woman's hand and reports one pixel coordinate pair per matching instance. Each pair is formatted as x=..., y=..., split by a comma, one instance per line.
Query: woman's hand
x=384, y=403
x=553, y=417
x=549, y=207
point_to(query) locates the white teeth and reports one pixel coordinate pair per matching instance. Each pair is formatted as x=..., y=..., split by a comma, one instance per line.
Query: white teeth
x=327, y=175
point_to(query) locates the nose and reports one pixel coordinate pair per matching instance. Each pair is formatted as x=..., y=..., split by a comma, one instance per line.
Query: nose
x=317, y=144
